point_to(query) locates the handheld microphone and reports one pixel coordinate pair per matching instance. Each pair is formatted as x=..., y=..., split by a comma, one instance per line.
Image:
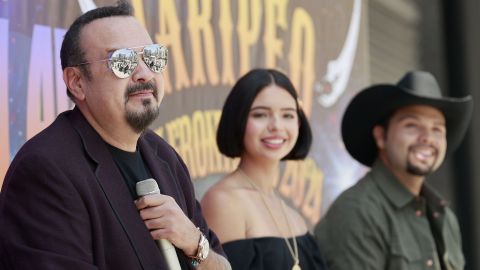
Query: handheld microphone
x=147, y=187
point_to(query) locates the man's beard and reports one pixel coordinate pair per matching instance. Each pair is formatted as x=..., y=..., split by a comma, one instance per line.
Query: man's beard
x=421, y=171
x=416, y=170
x=139, y=121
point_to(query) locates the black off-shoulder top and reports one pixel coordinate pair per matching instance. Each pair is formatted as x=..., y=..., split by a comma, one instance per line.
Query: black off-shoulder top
x=271, y=253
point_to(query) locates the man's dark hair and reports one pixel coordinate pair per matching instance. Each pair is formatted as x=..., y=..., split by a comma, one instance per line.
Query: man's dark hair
x=231, y=129
x=71, y=53
x=384, y=122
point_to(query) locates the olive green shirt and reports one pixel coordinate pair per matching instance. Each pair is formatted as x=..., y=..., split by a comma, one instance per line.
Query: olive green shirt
x=379, y=224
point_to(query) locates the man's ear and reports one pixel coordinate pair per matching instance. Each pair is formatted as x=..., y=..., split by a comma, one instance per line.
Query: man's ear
x=379, y=136
x=74, y=80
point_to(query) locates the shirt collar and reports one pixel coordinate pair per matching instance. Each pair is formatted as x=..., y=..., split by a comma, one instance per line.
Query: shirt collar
x=433, y=198
x=397, y=193
x=391, y=188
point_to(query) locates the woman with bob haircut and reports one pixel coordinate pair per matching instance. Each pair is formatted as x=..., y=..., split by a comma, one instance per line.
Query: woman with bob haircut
x=262, y=123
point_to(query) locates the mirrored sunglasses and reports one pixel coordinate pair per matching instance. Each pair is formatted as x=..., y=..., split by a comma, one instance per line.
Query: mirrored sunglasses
x=122, y=62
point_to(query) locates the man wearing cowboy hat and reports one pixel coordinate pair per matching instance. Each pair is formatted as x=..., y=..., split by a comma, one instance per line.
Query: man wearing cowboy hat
x=392, y=219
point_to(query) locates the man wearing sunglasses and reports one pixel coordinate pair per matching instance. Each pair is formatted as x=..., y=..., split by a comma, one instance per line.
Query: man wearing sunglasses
x=68, y=200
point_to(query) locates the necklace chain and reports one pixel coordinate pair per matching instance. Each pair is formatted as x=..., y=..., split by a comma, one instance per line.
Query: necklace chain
x=294, y=250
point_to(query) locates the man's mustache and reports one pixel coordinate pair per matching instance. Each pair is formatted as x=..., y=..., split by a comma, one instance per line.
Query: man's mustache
x=132, y=89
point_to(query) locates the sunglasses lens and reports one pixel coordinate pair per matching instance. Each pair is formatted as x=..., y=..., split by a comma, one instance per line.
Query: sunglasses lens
x=123, y=62
x=155, y=57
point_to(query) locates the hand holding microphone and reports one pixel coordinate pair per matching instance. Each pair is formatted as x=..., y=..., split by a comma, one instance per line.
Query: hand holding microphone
x=147, y=187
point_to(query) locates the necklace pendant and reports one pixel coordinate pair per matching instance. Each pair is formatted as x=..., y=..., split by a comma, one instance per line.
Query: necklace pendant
x=296, y=267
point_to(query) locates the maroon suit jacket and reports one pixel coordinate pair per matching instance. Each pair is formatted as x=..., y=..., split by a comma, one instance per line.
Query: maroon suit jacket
x=64, y=204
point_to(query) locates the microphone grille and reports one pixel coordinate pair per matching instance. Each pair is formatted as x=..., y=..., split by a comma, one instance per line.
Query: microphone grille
x=146, y=187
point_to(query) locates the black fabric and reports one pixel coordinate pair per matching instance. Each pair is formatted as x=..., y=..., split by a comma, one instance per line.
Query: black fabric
x=266, y=253
x=435, y=206
x=131, y=166
x=133, y=169
x=80, y=212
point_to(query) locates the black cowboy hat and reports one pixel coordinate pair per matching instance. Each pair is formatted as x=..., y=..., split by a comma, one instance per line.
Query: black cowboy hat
x=374, y=104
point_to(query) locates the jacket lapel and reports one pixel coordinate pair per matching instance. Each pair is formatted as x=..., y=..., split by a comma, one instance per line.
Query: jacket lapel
x=162, y=172
x=116, y=192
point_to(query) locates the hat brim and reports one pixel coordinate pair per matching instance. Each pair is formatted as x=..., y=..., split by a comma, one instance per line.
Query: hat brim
x=373, y=104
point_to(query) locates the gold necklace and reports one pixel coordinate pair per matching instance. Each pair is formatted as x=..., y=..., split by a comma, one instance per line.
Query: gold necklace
x=294, y=250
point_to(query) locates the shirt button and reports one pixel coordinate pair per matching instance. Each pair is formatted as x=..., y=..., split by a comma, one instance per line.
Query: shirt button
x=429, y=263
x=418, y=213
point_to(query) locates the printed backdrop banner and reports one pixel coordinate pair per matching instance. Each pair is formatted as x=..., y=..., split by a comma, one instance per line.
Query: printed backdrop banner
x=321, y=45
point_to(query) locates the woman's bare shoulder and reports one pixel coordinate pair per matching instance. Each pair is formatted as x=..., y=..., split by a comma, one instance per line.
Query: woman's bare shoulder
x=223, y=208
x=226, y=194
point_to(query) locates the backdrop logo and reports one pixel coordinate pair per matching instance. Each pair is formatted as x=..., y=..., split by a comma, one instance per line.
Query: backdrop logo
x=334, y=83
x=211, y=44
x=86, y=5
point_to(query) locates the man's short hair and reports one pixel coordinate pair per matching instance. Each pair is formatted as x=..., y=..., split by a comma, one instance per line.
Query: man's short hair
x=71, y=53
x=231, y=129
